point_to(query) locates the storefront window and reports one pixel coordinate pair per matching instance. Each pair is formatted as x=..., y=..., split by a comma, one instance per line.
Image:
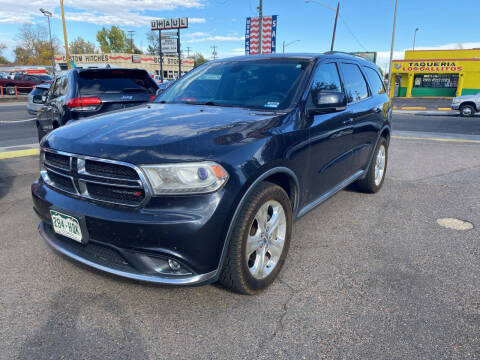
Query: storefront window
x=436, y=81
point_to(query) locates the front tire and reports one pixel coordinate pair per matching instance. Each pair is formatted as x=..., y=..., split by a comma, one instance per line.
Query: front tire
x=373, y=181
x=260, y=240
x=10, y=90
x=467, y=110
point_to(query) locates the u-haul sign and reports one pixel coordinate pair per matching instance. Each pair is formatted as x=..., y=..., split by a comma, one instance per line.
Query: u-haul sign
x=173, y=23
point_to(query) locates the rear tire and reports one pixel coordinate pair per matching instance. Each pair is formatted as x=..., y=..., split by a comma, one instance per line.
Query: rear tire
x=467, y=110
x=373, y=182
x=258, y=248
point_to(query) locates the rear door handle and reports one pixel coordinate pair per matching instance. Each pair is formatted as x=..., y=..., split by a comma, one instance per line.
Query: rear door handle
x=349, y=121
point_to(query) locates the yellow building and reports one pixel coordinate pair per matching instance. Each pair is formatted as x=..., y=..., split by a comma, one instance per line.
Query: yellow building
x=427, y=73
x=151, y=63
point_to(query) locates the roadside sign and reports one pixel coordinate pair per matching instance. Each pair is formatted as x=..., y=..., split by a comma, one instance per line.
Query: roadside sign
x=169, y=46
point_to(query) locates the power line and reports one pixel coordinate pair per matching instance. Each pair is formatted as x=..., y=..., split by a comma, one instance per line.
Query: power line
x=351, y=32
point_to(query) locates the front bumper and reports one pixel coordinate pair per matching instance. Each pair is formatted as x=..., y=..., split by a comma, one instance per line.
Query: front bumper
x=455, y=106
x=126, y=242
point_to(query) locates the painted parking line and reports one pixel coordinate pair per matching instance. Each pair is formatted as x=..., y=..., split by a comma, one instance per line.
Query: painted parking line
x=444, y=109
x=435, y=139
x=18, y=153
x=16, y=121
x=413, y=108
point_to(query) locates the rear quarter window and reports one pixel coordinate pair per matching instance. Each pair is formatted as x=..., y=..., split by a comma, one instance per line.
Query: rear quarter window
x=376, y=83
x=39, y=91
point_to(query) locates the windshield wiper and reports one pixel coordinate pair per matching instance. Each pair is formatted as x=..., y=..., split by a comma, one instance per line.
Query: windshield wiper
x=207, y=103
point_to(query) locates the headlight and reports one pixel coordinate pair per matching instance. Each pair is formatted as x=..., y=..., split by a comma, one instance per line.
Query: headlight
x=186, y=178
x=454, y=101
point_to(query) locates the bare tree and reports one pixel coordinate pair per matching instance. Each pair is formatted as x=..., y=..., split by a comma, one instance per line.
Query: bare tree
x=33, y=46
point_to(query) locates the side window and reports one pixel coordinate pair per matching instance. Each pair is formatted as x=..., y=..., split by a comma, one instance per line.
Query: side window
x=53, y=92
x=18, y=77
x=354, y=82
x=63, y=86
x=326, y=78
x=376, y=83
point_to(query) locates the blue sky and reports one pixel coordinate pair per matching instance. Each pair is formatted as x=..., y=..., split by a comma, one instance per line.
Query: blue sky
x=222, y=22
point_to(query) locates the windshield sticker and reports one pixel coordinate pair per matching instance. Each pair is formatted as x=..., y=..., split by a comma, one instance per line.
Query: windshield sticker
x=272, y=104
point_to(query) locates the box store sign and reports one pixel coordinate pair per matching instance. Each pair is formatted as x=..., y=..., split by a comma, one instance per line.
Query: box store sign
x=165, y=24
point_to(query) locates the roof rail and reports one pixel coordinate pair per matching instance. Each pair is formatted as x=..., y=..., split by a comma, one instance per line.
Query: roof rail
x=342, y=52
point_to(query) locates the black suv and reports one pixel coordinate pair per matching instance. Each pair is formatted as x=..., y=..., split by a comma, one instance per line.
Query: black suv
x=204, y=183
x=78, y=94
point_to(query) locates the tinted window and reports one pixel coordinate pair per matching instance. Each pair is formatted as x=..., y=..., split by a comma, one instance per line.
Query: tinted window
x=260, y=84
x=354, y=83
x=94, y=82
x=376, y=83
x=326, y=78
x=39, y=91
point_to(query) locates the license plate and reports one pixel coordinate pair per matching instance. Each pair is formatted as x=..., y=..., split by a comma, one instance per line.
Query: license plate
x=66, y=225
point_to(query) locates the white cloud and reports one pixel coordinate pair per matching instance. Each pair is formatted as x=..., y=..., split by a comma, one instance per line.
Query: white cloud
x=103, y=12
x=202, y=37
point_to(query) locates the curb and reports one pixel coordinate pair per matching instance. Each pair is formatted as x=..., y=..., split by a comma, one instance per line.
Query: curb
x=421, y=108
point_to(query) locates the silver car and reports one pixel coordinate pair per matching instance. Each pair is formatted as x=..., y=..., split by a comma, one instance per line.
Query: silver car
x=468, y=105
x=36, y=98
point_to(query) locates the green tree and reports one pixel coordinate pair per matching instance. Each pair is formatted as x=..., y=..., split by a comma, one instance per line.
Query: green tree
x=113, y=40
x=3, y=60
x=33, y=46
x=81, y=46
x=199, y=59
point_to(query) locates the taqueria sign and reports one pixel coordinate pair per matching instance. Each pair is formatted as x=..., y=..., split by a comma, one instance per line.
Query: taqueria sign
x=426, y=66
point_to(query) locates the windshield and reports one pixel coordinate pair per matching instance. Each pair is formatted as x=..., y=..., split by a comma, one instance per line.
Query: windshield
x=259, y=84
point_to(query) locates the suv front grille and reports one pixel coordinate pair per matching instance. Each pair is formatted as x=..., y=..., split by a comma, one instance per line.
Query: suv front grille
x=112, y=182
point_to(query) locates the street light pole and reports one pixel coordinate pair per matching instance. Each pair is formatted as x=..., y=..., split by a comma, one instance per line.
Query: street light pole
x=67, y=56
x=415, y=37
x=290, y=43
x=48, y=14
x=335, y=26
x=337, y=10
x=391, y=49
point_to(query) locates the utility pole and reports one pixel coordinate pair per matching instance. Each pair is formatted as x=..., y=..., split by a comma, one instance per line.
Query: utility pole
x=260, y=18
x=415, y=37
x=335, y=26
x=67, y=56
x=131, y=32
x=48, y=14
x=214, y=52
x=188, y=51
x=391, y=49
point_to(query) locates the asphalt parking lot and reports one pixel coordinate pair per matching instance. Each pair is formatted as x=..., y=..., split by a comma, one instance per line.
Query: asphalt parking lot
x=367, y=277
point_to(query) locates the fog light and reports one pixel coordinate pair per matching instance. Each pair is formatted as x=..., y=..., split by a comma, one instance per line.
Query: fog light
x=175, y=266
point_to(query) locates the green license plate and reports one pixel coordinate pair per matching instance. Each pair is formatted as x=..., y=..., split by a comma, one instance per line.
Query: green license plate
x=66, y=225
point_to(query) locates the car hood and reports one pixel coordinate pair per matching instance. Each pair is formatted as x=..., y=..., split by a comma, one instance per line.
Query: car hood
x=164, y=132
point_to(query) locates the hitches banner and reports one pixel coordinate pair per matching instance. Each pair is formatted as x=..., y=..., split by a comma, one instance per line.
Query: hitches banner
x=269, y=35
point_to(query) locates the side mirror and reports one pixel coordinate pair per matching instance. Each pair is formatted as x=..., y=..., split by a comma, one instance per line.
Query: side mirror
x=327, y=102
x=39, y=99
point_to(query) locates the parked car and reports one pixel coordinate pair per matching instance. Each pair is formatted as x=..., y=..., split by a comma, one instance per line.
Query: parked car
x=24, y=83
x=81, y=93
x=204, y=184
x=468, y=105
x=165, y=85
x=36, y=98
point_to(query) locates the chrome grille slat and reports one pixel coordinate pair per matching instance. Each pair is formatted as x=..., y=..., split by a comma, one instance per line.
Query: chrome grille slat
x=123, y=190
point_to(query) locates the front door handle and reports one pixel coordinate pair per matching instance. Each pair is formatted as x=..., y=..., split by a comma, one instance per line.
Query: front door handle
x=349, y=121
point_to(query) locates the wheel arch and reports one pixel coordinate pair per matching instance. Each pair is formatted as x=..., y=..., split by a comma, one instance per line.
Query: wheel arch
x=277, y=175
x=471, y=103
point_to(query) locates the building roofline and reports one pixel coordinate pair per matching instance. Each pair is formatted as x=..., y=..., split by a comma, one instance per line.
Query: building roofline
x=444, y=49
x=469, y=59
